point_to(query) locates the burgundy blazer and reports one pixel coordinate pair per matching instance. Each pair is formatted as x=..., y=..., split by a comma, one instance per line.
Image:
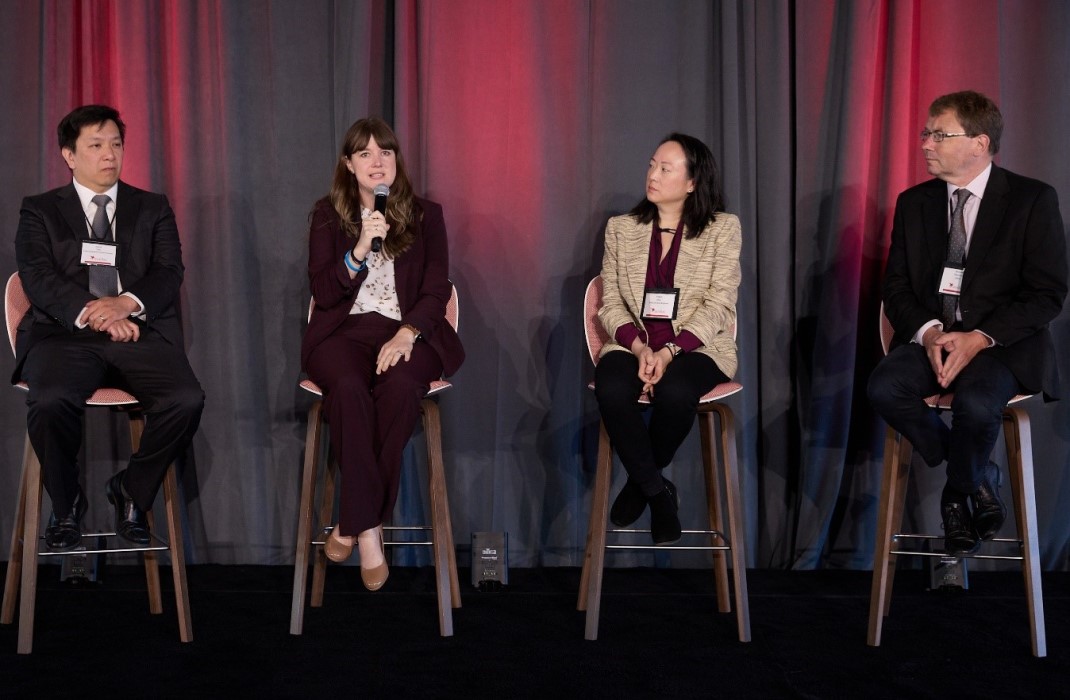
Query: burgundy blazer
x=420, y=275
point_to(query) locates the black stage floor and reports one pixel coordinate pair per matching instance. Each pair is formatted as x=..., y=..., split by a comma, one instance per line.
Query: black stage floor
x=660, y=636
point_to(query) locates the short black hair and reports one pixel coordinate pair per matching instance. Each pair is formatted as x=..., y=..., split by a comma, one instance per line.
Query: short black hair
x=87, y=115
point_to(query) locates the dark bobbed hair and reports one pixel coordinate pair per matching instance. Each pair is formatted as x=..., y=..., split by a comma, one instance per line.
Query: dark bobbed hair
x=87, y=115
x=702, y=205
x=345, y=192
x=977, y=113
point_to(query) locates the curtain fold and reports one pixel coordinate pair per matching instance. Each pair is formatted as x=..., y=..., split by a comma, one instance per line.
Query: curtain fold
x=532, y=123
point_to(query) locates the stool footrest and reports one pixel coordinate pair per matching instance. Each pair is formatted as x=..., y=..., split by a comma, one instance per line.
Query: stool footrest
x=940, y=553
x=672, y=547
x=157, y=544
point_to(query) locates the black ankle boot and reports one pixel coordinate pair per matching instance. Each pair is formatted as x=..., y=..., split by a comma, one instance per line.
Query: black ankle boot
x=628, y=505
x=664, y=515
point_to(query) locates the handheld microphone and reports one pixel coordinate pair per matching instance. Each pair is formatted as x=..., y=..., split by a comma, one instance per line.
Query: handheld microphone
x=381, y=192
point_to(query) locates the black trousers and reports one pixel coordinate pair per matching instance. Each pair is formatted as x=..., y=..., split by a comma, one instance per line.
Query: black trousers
x=645, y=450
x=898, y=388
x=64, y=370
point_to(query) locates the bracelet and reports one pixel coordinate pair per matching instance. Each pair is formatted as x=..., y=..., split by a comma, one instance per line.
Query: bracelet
x=353, y=264
x=673, y=348
x=416, y=334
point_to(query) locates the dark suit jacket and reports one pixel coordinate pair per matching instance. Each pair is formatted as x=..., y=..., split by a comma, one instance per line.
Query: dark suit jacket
x=420, y=276
x=1015, y=279
x=48, y=248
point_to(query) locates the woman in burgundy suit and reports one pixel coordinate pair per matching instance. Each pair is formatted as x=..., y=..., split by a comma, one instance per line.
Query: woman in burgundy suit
x=378, y=334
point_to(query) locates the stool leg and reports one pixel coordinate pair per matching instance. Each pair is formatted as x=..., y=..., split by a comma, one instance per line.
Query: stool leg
x=730, y=460
x=906, y=452
x=152, y=573
x=1018, y=437
x=14, y=560
x=439, y=519
x=593, y=520
x=713, y=507
x=451, y=550
x=594, y=559
x=319, y=568
x=171, y=501
x=893, y=471
x=304, y=518
x=152, y=564
x=31, y=529
x=585, y=570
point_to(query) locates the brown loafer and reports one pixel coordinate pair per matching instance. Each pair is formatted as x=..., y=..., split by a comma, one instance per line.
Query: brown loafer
x=335, y=549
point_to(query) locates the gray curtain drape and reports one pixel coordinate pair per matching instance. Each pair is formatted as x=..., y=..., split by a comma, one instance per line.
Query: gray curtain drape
x=532, y=123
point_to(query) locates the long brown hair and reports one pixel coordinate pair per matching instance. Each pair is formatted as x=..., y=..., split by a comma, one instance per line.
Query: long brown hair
x=401, y=208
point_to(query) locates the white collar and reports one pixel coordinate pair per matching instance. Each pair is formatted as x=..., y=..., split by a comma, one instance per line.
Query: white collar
x=85, y=195
x=976, y=186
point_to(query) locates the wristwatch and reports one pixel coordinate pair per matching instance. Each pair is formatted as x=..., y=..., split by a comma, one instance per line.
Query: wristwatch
x=673, y=348
x=415, y=331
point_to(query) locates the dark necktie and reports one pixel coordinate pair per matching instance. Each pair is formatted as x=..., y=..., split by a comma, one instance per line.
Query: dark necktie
x=103, y=279
x=956, y=251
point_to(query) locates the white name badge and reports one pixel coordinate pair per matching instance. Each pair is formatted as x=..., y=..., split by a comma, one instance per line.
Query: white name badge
x=951, y=281
x=660, y=304
x=99, y=253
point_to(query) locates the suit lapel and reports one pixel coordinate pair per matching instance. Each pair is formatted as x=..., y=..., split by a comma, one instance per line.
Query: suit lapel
x=935, y=220
x=402, y=272
x=989, y=216
x=637, y=246
x=70, y=207
x=691, y=252
x=127, y=206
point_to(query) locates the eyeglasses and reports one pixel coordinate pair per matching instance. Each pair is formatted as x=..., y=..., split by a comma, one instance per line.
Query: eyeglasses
x=938, y=136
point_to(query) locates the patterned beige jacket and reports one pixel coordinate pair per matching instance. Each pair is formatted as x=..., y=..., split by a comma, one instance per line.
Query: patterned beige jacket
x=707, y=273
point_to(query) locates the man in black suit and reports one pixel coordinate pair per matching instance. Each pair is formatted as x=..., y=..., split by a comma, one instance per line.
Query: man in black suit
x=976, y=325
x=101, y=263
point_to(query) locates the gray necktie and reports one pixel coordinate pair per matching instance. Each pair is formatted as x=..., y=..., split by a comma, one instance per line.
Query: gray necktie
x=956, y=251
x=103, y=279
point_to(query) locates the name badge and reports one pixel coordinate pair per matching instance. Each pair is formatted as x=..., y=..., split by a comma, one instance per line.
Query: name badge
x=660, y=304
x=951, y=280
x=99, y=253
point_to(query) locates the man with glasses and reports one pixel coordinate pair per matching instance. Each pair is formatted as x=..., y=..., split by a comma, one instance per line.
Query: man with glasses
x=976, y=271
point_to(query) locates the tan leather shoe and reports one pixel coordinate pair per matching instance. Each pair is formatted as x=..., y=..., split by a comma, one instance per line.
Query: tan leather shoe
x=376, y=576
x=335, y=549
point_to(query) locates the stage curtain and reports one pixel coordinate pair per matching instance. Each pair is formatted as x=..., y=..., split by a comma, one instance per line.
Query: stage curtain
x=532, y=123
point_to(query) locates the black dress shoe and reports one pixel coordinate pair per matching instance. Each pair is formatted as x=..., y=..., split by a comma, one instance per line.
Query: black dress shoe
x=130, y=521
x=958, y=528
x=64, y=534
x=665, y=515
x=988, y=509
x=628, y=505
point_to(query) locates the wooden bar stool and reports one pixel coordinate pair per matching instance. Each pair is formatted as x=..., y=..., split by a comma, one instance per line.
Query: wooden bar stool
x=25, y=537
x=718, y=465
x=311, y=541
x=894, y=480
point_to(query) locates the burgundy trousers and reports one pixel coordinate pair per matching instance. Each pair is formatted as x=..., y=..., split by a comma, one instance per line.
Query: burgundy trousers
x=371, y=417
